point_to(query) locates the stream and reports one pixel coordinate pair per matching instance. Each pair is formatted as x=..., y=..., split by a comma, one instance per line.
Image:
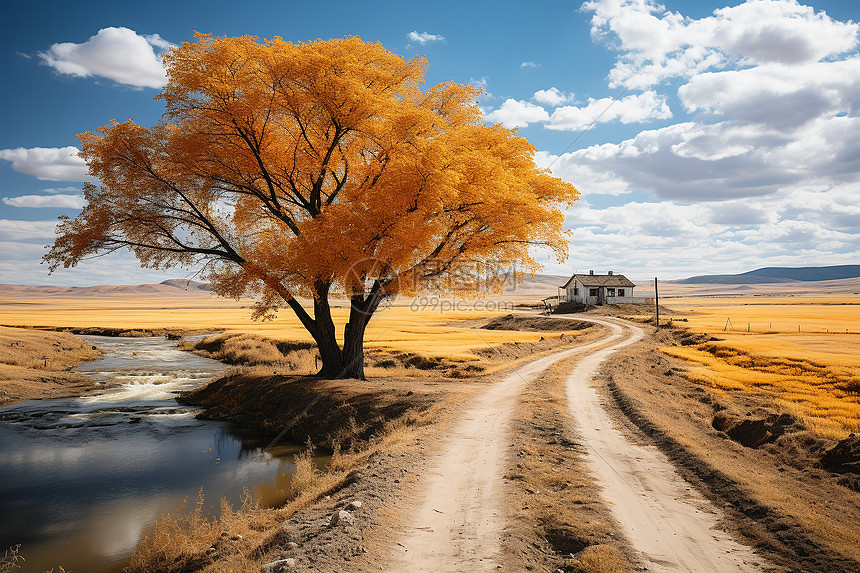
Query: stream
x=82, y=479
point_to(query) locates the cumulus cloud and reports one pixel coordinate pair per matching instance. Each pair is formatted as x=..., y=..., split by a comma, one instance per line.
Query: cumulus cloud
x=779, y=96
x=695, y=162
x=767, y=164
x=635, y=108
x=528, y=64
x=677, y=239
x=515, y=113
x=424, y=38
x=552, y=97
x=48, y=163
x=119, y=54
x=59, y=201
x=14, y=230
x=657, y=44
x=763, y=124
x=67, y=189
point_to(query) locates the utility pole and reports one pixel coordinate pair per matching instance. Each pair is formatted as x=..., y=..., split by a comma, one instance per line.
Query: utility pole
x=656, y=303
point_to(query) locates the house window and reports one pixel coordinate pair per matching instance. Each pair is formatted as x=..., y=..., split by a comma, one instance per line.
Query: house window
x=611, y=292
x=592, y=292
x=621, y=292
x=575, y=291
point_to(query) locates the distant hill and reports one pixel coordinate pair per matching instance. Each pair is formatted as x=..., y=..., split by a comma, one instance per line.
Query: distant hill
x=168, y=287
x=779, y=275
x=186, y=284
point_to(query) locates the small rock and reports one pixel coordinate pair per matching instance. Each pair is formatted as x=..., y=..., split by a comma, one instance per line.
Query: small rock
x=293, y=545
x=353, y=505
x=288, y=564
x=237, y=537
x=342, y=517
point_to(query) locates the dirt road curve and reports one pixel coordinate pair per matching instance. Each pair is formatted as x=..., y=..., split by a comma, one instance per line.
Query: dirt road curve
x=670, y=524
x=458, y=523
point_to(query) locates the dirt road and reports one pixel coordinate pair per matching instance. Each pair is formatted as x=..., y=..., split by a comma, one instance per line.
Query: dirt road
x=459, y=520
x=671, y=526
x=458, y=524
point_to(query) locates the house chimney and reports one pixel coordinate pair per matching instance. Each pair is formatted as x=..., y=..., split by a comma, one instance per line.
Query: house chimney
x=610, y=273
x=591, y=272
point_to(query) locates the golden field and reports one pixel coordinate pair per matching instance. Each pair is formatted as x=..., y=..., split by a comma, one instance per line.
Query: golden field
x=822, y=314
x=431, y=331
x=812, y=372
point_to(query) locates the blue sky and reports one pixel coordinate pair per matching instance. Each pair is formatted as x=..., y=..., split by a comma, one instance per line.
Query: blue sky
x=724, y=136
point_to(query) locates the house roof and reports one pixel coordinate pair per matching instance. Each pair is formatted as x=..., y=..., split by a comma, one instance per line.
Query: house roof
x=601, y=281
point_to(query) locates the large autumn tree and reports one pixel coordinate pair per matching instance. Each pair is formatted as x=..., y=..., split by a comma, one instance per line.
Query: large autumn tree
x=301, y=170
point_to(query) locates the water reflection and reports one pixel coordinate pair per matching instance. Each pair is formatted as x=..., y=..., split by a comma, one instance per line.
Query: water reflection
x=82, y=479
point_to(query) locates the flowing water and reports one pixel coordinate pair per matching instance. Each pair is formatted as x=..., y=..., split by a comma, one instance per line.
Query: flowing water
x=81, y=479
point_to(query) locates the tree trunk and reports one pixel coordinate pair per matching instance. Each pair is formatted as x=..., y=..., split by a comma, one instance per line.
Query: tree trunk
x=353, y=348
x=330, y=354
x=360, y=312
x=324, y=335
x=337, y=362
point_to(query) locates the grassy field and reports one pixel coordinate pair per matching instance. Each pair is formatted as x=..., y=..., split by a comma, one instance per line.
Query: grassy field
x=429, y=331
x=794, y=349
x=819, y=315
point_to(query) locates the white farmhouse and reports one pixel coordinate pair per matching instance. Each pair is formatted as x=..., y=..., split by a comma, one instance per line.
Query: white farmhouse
x=598, y=289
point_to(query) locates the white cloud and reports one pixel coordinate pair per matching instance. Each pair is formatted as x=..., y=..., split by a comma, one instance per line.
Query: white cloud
x=699, y=162
x=13, y=230
x=57, y=201
x=635, y=108
x=776, y=108
x=780, y=96
x=48, y=163
x=675, y=239
x=424, y=38
x=515, y=113
x=67, y=189
x=528, y=64
x=23, y=245
x=553, y=97
x=119, y=54
x=657, y=44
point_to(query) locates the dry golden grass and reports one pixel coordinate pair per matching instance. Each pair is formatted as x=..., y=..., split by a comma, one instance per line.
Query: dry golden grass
x=397, y=328
x=252, y=350
x=815, y=376
x=602, y=559
x=772, y=314
x=35, y=364
x=41, y=350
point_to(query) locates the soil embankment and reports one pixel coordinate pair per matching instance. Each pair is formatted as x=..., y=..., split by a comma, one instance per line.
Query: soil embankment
x=329, y=413
x=37, y=364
